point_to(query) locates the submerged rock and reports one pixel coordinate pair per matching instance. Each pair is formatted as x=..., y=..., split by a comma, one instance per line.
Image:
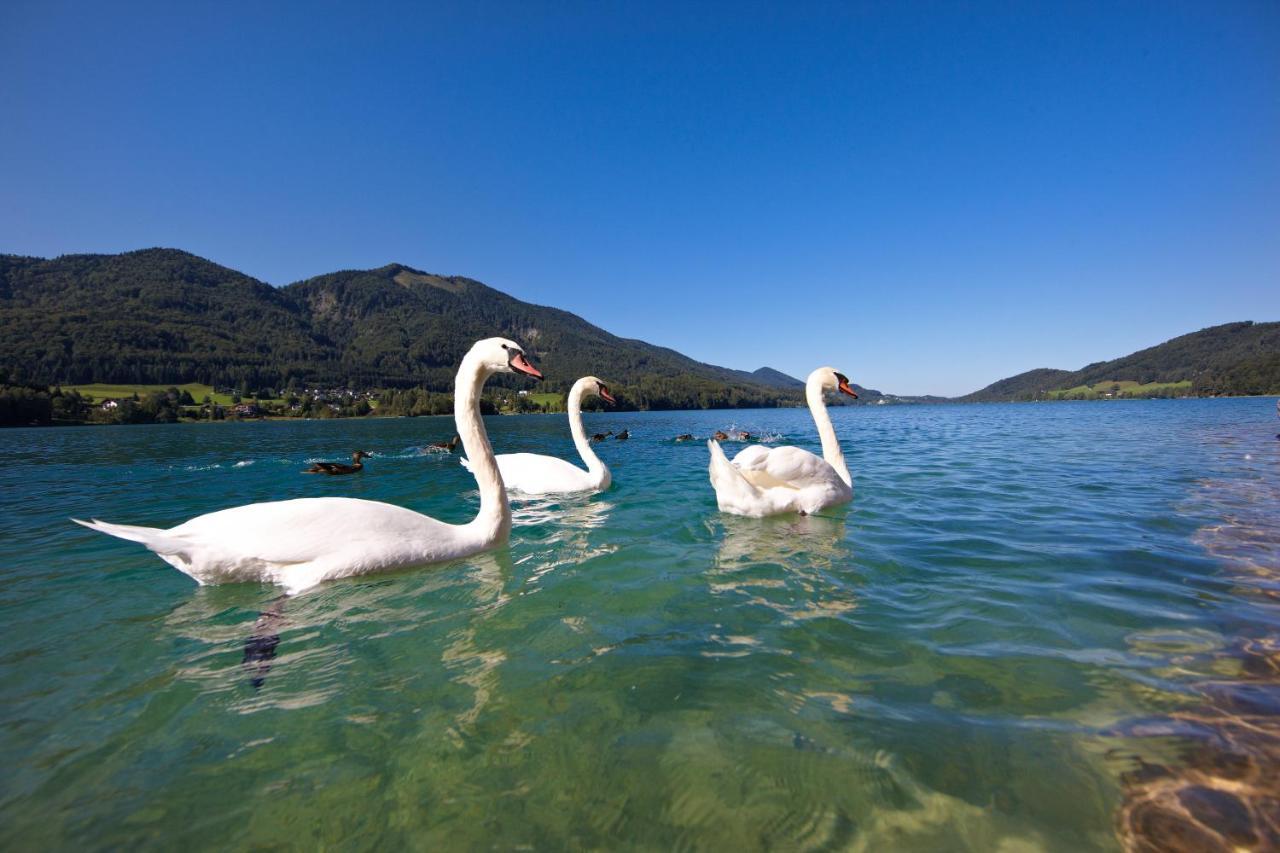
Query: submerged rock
x=1224, y=793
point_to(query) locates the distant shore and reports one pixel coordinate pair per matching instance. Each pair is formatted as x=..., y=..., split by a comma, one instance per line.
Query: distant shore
x=374, y=415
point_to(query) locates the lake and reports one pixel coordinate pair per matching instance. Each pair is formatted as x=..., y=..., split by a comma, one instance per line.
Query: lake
x=954, y=661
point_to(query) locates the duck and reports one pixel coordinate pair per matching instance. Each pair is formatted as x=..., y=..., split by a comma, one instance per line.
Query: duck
x=687, y=436
x=446, y=446
x=720, y=435
x=601, y=436
x=624, y=435
x=764, y=481
x=538, y=474
x=341, y=467
x=302, y=542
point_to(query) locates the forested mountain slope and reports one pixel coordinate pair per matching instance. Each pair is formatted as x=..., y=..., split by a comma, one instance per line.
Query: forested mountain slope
x=1234, y=358
x=167, y=316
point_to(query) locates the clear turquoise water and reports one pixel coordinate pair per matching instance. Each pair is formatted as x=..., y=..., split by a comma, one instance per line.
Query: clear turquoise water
x=932, y=667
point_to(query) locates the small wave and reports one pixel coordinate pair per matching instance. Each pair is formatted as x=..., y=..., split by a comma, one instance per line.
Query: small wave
x=415, y=453
x=744, y=434
x=243, y=463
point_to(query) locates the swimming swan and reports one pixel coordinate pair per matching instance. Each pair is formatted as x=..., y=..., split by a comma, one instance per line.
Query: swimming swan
x=535, y=474
x=767, y=481
x=299, y=543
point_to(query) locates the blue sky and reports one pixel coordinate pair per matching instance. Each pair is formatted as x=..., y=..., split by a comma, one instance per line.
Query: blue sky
x=929, y=196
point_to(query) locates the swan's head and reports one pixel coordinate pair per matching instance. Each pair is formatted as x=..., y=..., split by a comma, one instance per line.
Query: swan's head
x=499, y=355
x=830, y=379
x=600, y=388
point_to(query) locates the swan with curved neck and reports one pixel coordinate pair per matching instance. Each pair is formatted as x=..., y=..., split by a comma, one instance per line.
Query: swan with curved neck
x=299, y=543
x=536, y=474
x=768, y=481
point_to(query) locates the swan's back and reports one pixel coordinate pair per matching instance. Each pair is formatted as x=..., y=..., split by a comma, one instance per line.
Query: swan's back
x=308, y=528
x=535, y=474
x=760, y=481
x=785, y=467
x=298, y=543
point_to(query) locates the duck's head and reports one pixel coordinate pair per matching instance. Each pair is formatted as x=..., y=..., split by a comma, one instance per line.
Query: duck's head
x=361, y=454
x=499, y=355
x=601, y=389
x=830, y=379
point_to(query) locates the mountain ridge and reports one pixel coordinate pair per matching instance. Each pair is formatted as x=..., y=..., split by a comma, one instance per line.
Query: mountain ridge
x=1235, y=358
x=167, y=316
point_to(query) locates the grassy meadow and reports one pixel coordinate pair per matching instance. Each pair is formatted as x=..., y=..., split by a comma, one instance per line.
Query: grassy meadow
x=100, y=391
x=1123, y=388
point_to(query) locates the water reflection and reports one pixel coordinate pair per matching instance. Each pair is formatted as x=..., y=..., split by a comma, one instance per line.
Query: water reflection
x=315, y=638
x=558, y=531
x=797, y=565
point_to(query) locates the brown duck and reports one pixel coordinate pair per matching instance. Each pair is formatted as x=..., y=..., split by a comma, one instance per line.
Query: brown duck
x=447, y=446
x=340, y=467
x=601, y=436
x=624, y=435
x=720, y=435
x=685, y=437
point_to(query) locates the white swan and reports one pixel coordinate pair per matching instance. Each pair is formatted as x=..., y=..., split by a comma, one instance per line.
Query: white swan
x=768, y=481
x=535, y=474
x=298, y=543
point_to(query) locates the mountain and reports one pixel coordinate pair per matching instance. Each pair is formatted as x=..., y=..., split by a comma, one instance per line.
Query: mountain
x=1023, y=386
x=396, y=326
x=163, y=316
x=1234, y=358
x=155, y=316
x=776, y=378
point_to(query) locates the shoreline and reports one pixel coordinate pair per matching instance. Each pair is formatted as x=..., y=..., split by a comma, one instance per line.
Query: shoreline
x=368, y=417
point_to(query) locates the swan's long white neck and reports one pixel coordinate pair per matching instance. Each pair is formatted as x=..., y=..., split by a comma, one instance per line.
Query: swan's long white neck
x=493, y=522
x=831, y=451
x=595, y=467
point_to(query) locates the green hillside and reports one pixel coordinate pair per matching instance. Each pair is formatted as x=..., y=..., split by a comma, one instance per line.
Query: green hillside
x=776, y=378
x=99, y=391
x=1231, y=359
x=156, y=316
x=165, y=317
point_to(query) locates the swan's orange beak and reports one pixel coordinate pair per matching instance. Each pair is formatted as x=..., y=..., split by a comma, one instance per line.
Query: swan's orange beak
x=842, y=382
x=606, y=396
x=520, y=364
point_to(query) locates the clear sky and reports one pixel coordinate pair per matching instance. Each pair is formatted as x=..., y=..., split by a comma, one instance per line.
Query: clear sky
x=928, y=195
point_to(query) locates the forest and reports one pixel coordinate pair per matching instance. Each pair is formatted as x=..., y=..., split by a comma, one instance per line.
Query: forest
x=166, y=317
x=1233, y=359
x=387, y=342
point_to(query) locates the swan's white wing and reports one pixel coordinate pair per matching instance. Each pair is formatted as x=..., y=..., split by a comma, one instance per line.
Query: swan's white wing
x=301, y=542
x=536, y=474
x=735, y=493
x=308, y=529
x=784, y=467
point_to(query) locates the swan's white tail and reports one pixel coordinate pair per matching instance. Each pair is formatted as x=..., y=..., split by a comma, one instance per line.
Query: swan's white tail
x=155, y=539
x=732, y=489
